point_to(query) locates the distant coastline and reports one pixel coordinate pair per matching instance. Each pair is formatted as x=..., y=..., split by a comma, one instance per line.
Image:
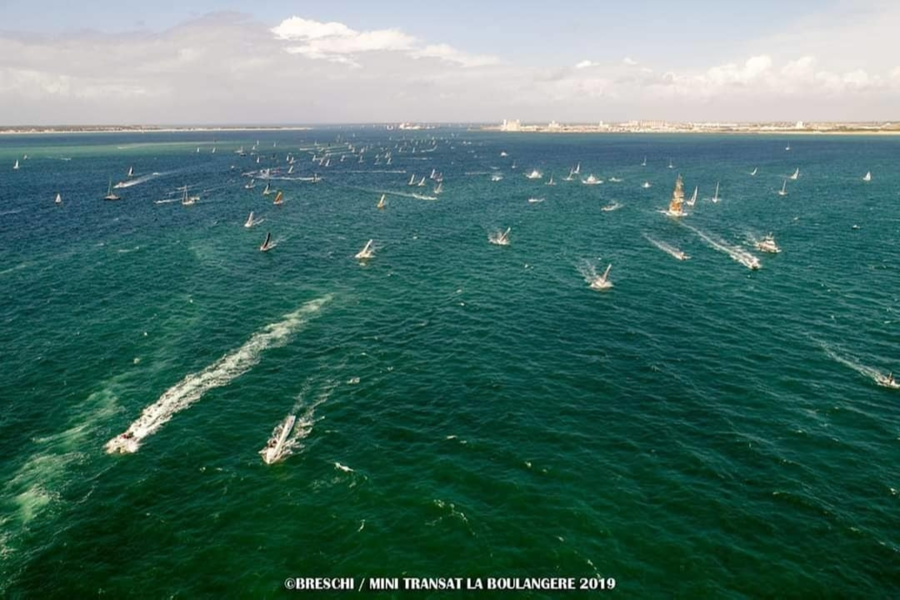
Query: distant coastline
x=67, y=129
x=762, y=128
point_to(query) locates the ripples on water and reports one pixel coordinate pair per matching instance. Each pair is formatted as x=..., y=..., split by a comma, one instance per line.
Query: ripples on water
x=699, y=430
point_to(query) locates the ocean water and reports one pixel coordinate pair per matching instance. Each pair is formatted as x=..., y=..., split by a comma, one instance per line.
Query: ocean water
x=464, y=409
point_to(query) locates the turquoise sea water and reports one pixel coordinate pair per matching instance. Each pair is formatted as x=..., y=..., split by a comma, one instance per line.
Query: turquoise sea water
x=698, y=430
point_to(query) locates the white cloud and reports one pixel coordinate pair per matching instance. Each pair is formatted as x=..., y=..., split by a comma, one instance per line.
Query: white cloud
x=336, y=42
x=629, y=61
x=585, y=64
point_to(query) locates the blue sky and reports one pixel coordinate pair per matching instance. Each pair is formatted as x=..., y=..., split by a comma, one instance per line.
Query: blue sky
x=462, y=60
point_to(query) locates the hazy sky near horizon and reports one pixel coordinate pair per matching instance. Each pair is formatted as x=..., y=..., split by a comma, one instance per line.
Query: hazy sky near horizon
x=203, y=61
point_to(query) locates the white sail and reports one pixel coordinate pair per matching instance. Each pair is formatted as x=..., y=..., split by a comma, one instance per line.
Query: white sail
x=367, y=252
x=753, y=172
x=412, y=179
x=796, y=174
x=715, y=197
x=868, y=176
x=58, y=199
x=249, y=222
x=693, y=199
x=783, y=190
x=16, y=166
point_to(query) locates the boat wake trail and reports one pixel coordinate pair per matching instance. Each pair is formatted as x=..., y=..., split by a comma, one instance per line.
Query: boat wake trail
x=393, y=193
x=873, y=374
x=289, y=434
x=671, y=250
x=588, y=271
x=137, y=181
x=738, y=254
x=190, y=389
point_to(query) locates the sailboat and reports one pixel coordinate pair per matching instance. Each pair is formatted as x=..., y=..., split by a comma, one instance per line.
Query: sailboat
x=188, y=200
x=267, y=245
x=290, y=170
x=16, y=166
x=671, y=166
x=251, y=185
x=676, y=204
x=279, y=446
x=591, y=180
x=796, y=174
x=783, y=190
x=535, y=174
x=500, y=239
x=412, y=179
x=267, y=191
x=715, y=197
x=602, y=282
x=130, y=172
x=767, y=244
x=213, y=150
x=788, y=147
x=381, y=203
x=753, y=172
x=439, y=189
x=367, y=252
x=422, y=182
x=693, y=198
x=577, y=169
x=58, y=199
x=249, y=222
x=109, y=192
x=644, y=164
x=550, y=182
x=868, y=176
x=279, y=199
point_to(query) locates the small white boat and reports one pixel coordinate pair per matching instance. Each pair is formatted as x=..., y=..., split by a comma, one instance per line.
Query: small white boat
x=278, y=446
x=615, y=180
x=109, y=193
x=693, y=199
x=439, y=188
x=504, y=154
x=611, y=207
x=591, y=180
x=602, y=282
x=496, y=177
x=251, y=185
x=783, y=190
x=646, y=185
x=381, y=203
x=715, y=197
x=279, y=198
x=16, y=166
x=767, y=244
x=367, y=252
x=58, y=199
x=267, y=244
x=868, y=176
x=887, y=381
x=130, y=172
x=577, y=169
x=535, y=200
x=535, y=174
x=671, y=166
x=188, y=200
x=796, y=174
x=412, y=179
x=499, y=238
x=421, y=182
x=754, y=171
x=644, y=164
x=250, y=222
x=266, y=191
x=788, y=147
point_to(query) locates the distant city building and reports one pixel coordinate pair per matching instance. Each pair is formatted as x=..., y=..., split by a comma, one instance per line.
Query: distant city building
x=553, y=125
x=799, y=125
x=509, y=125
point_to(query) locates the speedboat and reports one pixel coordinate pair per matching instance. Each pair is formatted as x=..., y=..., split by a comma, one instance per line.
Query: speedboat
x=535, y=200
x=591, y=180
x=767, y=244
x=535, y=174
x=278, y=446
x=611, y=207
x=887, y=381
x=123, y=444
x=496, y=177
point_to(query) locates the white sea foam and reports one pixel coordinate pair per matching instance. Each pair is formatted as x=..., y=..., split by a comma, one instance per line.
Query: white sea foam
x=671, y=250
x=873, y=374
x=190, y=389
x=736, y=253
x=136, y=181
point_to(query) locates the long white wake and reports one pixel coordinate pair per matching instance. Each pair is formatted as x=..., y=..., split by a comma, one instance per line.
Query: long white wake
x=190, y=389
x=667, y=248
x=873, y=374
x=738, y=254
x=302, y=427
x=137, y=181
